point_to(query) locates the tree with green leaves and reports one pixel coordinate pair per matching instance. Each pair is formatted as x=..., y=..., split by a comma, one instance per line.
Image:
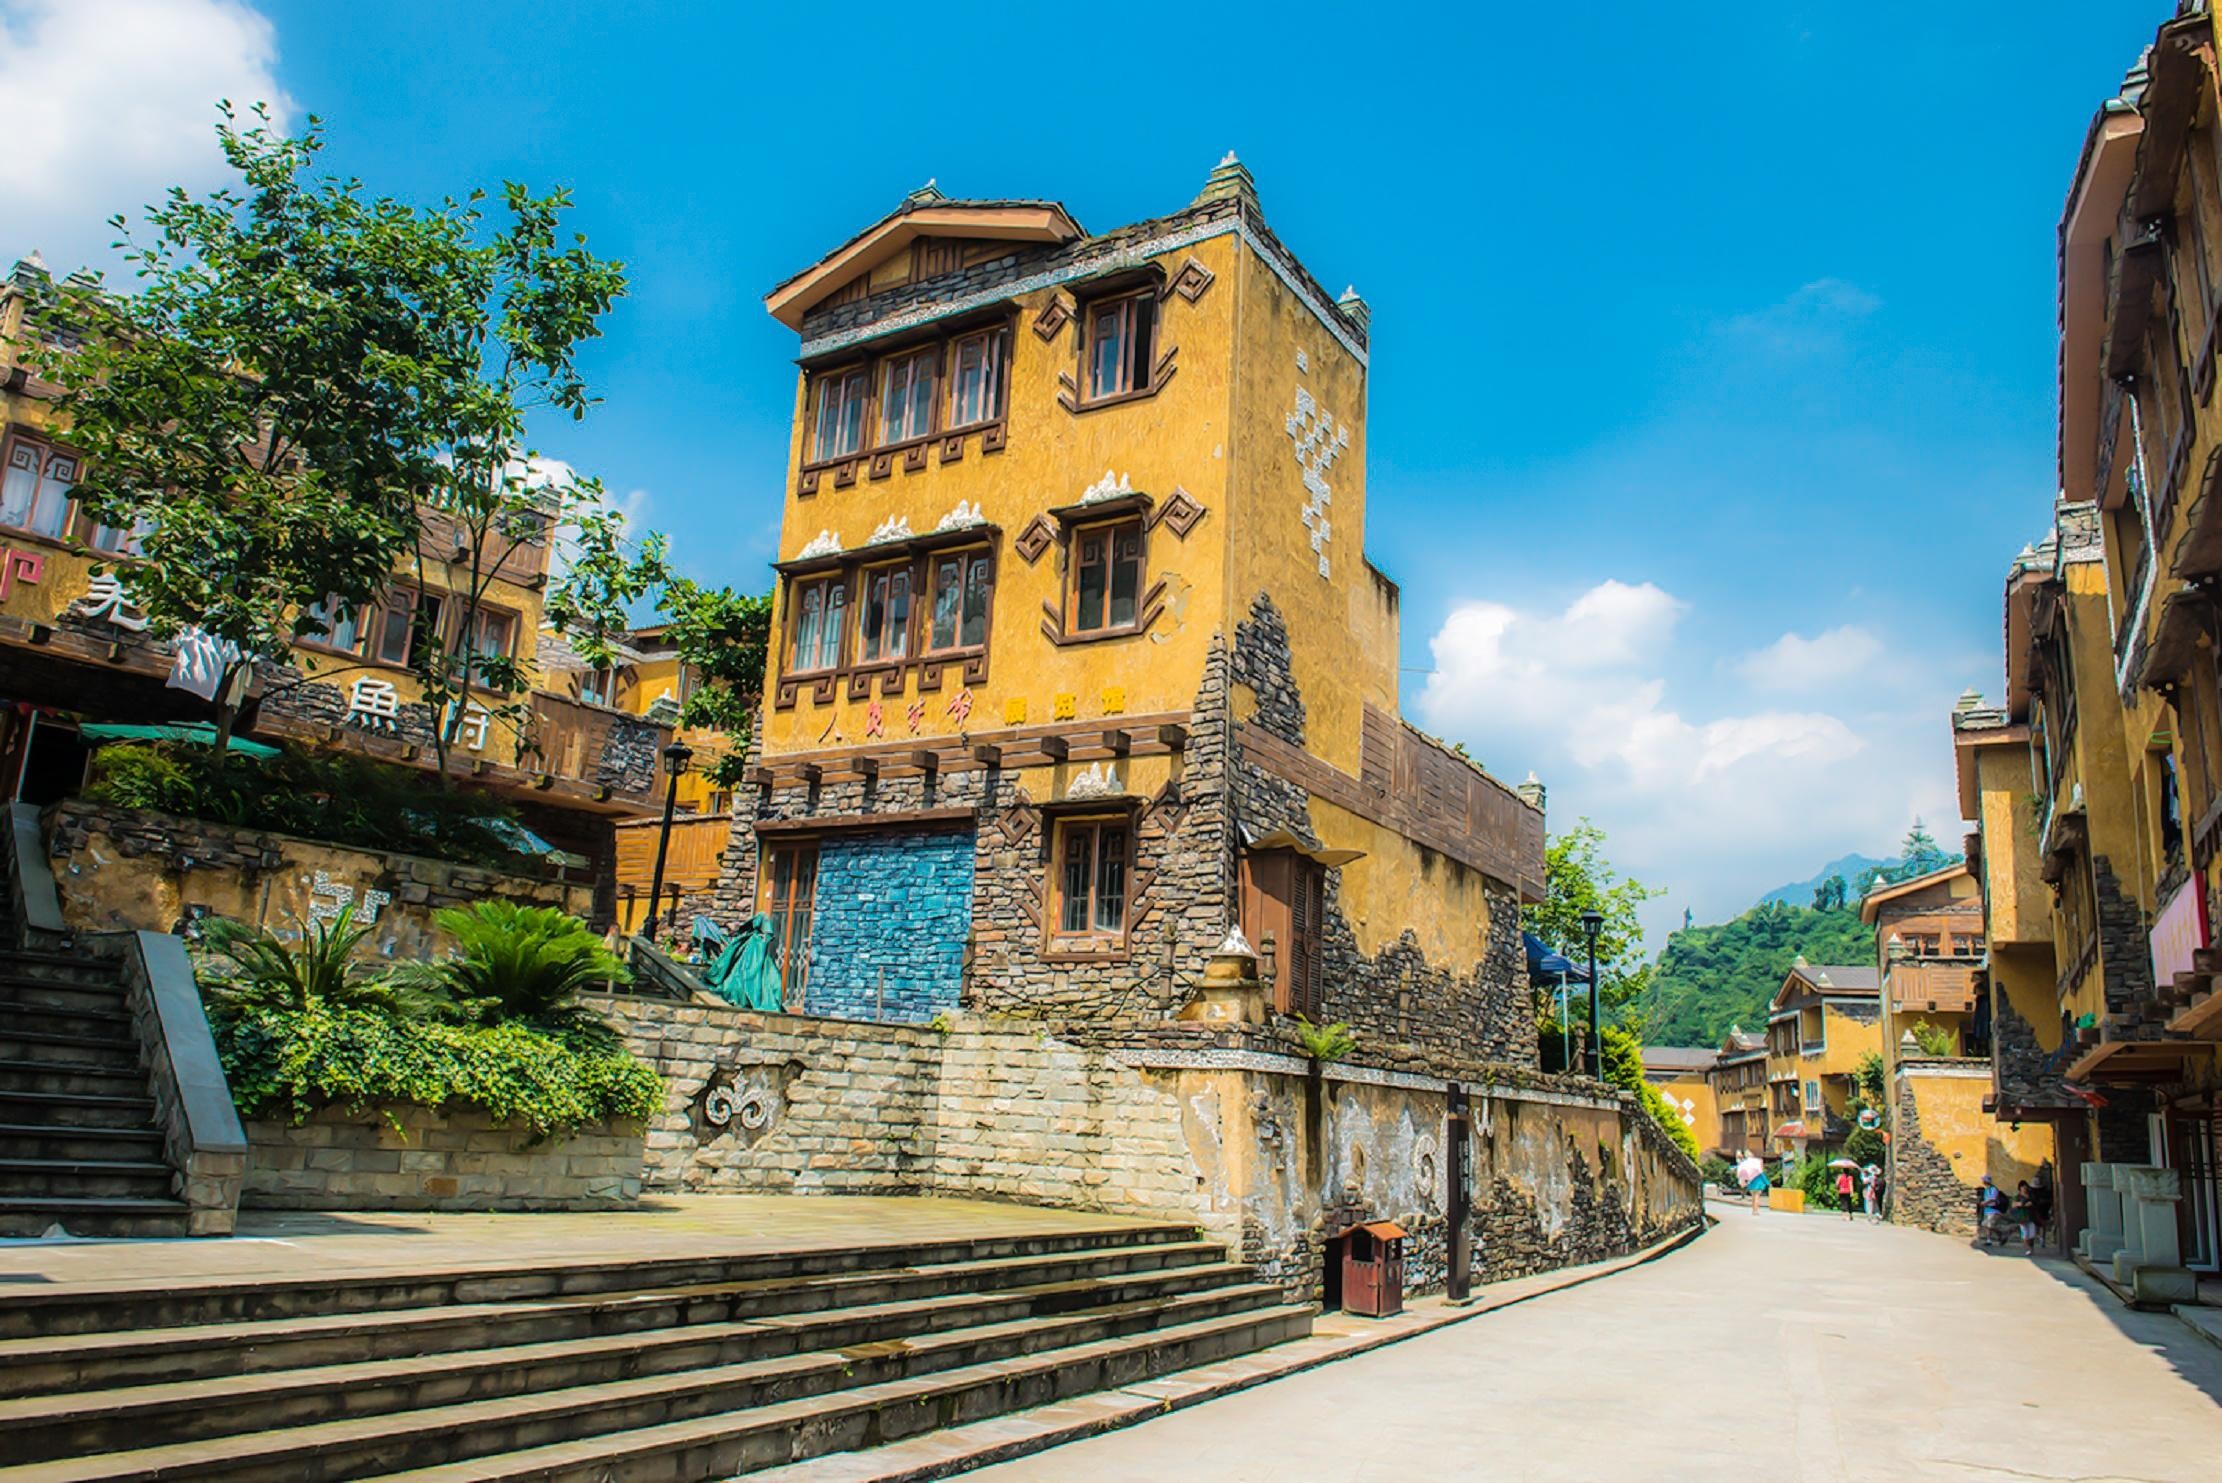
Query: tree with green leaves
x=1918, y=854
x=1577, y=878
x=723, y=639
x=261, y=409
x=1831, y=894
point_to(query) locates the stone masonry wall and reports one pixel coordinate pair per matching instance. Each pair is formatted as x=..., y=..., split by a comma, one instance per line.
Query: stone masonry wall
x=1923, y=1189
x=2125, y=949
x=1481, y=1010
x=888, y=942
x=1222, y=1128
x=404, y=1157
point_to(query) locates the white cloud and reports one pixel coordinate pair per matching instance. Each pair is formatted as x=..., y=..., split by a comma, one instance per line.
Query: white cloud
x=1794, y=662
x=110, y=103
x=1812, y=319
x=1716, y=807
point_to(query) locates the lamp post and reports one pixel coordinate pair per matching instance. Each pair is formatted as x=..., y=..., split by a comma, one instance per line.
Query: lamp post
x=676, y=758
x=1591, y=921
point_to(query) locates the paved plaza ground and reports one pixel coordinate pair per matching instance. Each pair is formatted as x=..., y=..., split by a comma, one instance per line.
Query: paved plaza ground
x=276, y=1245
x=1777, y=1346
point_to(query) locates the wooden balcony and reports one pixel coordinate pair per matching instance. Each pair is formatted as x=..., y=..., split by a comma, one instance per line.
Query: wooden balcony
x=1934, y=987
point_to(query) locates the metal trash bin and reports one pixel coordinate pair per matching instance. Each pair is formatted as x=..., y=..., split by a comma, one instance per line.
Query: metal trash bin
x=1373, y=1269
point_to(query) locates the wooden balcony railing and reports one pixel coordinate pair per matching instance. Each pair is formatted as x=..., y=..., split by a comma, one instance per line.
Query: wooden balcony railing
x=1934, y=988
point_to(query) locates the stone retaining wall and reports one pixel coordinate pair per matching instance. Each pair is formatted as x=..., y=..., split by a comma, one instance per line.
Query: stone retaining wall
x=121, y=868
x=402, y=1157
x=1225, y=1128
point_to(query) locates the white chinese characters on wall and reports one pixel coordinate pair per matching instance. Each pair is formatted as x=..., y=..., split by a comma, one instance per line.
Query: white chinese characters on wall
x=1319, y=440
x=105, y=599
x=328, y=898
x=374, y=704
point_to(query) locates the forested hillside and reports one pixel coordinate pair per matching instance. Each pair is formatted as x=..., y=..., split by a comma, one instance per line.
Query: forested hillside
x=1712, y=977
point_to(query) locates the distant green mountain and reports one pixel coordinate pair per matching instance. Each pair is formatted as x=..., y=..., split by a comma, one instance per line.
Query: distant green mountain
x=1712, y=977
x=1856, y=869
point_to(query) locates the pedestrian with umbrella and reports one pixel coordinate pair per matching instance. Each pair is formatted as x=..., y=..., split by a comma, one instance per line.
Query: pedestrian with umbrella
x=1845, y=1168
x=1751, y=1173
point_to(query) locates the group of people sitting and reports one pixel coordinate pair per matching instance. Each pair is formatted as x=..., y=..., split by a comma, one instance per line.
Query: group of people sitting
x=1998, y=1219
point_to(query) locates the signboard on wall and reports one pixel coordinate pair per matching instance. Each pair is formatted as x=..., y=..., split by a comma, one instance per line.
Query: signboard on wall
x=2179, y=930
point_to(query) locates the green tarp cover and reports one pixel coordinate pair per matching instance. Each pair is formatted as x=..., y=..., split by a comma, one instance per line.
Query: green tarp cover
x=185, y=731
x=745, y=973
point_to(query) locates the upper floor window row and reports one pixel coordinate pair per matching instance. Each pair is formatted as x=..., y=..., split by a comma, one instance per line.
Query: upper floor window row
x=38, y=484
x=389, y=632
x=952, y=592
x=948, y=386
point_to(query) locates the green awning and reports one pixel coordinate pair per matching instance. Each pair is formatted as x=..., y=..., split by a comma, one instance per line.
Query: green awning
x=185, y=731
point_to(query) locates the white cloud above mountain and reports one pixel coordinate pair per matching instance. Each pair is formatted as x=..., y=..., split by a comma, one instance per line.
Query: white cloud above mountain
x=1714, y=801
x=112, y=102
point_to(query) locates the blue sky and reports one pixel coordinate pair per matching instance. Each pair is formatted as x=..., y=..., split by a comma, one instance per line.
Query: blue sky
x=1713, y=372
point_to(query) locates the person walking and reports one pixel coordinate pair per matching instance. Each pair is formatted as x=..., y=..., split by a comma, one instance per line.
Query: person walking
x=1991, y=1219
x=1870, y=1193
x=1844, y=1193
x=2025, y=1216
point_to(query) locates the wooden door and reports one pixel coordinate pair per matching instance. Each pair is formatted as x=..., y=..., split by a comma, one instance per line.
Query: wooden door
x=789, y=897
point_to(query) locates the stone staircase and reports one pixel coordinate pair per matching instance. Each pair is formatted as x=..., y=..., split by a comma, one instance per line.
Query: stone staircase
x=675, y=1369
x=79, y=1147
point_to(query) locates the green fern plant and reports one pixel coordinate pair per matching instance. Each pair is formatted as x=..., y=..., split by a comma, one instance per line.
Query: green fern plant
x=251, y=968
x=1324, y=1043
x=519, y=964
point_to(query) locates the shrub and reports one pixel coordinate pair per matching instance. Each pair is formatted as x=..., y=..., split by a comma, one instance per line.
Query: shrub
x=252, y=968
x=517, y=963
x=287, y=1063
x=1620, y=1061
x=1813, y=1175
x=1717, y=1171
x=1935, y=1040
x=341, y=797
x=1325, y=1042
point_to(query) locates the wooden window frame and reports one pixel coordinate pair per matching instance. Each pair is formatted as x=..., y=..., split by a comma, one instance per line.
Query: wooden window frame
x=833, y=581
x=487, y=610
x=824, y=384
x=1093, y=943
x=885, y=571
x=998, y=339
x=1284, y=894
x=967, y=558
x=930, y=357
x=45, y=451
x=1074, y=536
x=321, y=642
x=792, y=992
x=1136, y=303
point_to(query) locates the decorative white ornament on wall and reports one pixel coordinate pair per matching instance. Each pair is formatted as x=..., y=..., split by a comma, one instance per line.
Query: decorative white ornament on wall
x=1319, y=440
x=893, y=528
x=825, y=543
x=963, y=517
x=1097, y=780
x=1108, y=487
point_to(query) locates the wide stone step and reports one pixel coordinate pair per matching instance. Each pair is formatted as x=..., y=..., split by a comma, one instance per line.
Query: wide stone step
x=683, y=1451
x=22, y=965
x=758, y=1412
x=33, y=1215
x=46, y=1141
x=100, y=1023
x=86, y=1179
x=154, y=1305
x=49, y=1076
x=76, y=1110
x=33, y=1041
x=94, y=994
x=46, y=1427
x=47, y=1362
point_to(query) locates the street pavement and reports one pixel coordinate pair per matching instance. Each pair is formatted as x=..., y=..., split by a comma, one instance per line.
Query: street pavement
x=1776, y=1346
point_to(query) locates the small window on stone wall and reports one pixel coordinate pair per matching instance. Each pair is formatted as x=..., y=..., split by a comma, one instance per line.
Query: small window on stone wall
x=1089, y=870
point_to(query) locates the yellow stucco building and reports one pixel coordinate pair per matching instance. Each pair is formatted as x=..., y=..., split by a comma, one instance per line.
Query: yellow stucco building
x=1078, y=659
x=1824, y=1020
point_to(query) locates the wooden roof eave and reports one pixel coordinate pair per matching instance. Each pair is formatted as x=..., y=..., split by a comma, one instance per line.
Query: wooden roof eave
x=1043, y=222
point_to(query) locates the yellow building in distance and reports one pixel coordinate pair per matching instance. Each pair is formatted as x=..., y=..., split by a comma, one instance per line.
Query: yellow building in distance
x=1078, y=659
x=1824, y=1020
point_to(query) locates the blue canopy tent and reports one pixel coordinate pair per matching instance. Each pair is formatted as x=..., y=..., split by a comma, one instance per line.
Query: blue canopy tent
x=1545, y=964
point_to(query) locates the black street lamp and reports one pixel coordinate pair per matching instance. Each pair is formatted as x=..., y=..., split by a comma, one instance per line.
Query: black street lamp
x=1591, y=921
x=676, y=758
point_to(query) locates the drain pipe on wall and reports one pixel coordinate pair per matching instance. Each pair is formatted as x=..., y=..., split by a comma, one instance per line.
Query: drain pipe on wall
x=2144, y=497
